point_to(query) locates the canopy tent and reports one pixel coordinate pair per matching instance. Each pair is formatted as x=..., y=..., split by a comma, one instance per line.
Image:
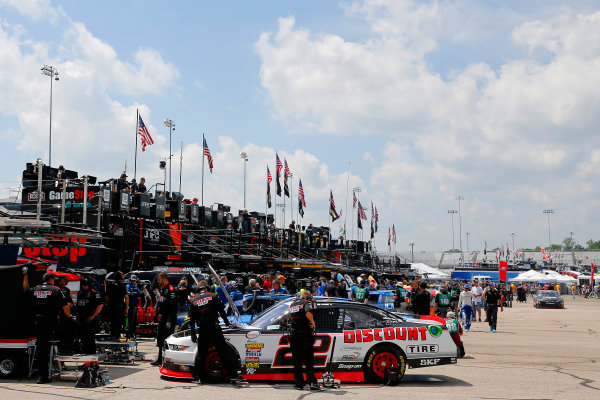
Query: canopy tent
x=529, y=276
x=429, y=272
x=554, y=276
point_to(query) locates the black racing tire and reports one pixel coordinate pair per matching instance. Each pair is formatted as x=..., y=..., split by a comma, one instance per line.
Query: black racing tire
x=215, y=367
x=381, y=358
x=9, y=366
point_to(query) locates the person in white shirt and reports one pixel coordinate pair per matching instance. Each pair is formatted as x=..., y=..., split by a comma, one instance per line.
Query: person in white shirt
x=478, y=298
x=465, y=305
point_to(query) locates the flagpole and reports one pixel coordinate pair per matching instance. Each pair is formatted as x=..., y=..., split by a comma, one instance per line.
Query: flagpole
x=346, y=217
x=202, y=192
x=137, y=121
x=267, y=205
x=291, y=196
x=180, y=165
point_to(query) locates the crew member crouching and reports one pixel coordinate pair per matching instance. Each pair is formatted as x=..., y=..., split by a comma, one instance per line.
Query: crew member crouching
x=204, y=312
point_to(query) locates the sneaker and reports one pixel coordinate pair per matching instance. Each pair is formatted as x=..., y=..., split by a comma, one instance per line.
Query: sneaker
x=315, y=386
x=156, y=363
x=493, y=330
x=467, y=329
x=43, y=379
x=298, y=387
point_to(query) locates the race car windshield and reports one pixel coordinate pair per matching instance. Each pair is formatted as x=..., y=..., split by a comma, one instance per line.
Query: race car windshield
x=549, y=294
x=271, y=316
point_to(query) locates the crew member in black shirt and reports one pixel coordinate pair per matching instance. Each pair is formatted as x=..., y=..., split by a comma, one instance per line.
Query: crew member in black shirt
x=117, y=303
x=302, y=340
x=166, y=309
x=204, y=312
x=493, y=299
x=67, y=327
x=421, y=302
x=47, y=302
x=342, y=291
x=89, y=305
x=331, y=289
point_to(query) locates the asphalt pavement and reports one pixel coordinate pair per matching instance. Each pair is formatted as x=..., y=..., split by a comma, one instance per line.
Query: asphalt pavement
x=535, y=354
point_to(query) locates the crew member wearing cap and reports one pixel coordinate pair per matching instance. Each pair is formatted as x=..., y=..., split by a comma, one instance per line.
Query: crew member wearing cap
x=134, y=293
x=455, y=331
x=89, y=306
x=47, y=303
x=67, y=327
x=278, y=289
x=493, y=298
x=302, y=340
x=122, y=183
x=117, y=302
x=204, y=312
x=166, y=308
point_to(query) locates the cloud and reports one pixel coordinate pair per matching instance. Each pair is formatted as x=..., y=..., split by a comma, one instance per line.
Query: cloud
x=504, y=135
x=91, y=127
x=34, y=9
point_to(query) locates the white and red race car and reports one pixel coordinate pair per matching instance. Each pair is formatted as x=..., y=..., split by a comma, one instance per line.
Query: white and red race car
x=354, y=341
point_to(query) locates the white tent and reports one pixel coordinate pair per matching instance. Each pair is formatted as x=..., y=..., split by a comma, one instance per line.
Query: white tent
x=529, y=276
x=429, y=272
x=554, y=276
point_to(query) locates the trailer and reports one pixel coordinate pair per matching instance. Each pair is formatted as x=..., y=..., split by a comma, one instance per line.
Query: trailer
x=16, y=340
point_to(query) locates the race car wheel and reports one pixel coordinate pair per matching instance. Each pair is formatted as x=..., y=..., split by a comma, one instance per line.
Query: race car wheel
x=381, y=360
x=8, y=366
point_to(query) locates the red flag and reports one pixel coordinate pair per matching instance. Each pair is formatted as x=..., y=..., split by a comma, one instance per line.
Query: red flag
x=502, y=268
x=592, y=275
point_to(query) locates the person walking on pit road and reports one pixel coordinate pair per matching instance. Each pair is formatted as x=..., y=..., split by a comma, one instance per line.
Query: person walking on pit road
x=493, y=298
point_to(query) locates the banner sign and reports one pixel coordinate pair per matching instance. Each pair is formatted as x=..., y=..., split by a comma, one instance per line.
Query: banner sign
x=502, y=269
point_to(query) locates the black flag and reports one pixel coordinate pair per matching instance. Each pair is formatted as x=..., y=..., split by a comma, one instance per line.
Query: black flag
x=359, y=223
x=300, y=209
x=286, y=173
x=332, y=212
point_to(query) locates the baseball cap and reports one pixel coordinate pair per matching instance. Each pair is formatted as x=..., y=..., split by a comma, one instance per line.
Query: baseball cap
x=491, y=283
x=123, y=176
x=467, y=286
x=47, y=276
x=133, y=278
x=281, y=277
x=84, y=281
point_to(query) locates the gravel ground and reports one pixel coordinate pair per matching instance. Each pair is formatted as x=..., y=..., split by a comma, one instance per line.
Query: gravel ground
x=536, y=354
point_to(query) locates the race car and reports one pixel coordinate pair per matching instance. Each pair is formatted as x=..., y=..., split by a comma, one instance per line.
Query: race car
x=354, y=341
x=548, y=299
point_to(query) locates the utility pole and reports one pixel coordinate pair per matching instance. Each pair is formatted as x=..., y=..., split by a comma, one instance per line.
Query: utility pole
x=412, y=252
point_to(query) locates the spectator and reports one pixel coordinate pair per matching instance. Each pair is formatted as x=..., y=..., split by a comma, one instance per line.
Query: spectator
x=268, y=283
x=342, y=290
x=331, y=290
x=141, y=188
x=422, y=300
x=278, y=289
x=122, y=184
x=477, y=299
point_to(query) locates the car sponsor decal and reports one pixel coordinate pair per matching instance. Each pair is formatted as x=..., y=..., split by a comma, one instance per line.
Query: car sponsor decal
x=254, y=349
x=352, y=356
x=422, y=349
x=435, y=330
x=380, y=334
x=349, y=366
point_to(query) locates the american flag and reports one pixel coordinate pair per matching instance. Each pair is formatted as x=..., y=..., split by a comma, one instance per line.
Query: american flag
x=376, y=218
x=208, y=156
x=286, y=171
x=301, y=198
x=394, y=234
x=279, y=166
x=389, y=237
x=269, y=177
x=143, y=132
x=361, y=211
x=354, y=199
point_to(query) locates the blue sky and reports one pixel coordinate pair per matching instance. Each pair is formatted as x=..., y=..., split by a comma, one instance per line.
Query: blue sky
x=427, y=100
